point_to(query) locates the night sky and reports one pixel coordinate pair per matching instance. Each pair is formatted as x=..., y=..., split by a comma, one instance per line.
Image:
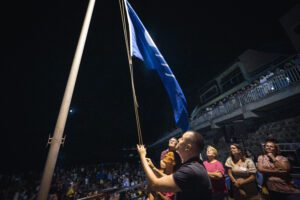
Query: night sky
x=39, y=38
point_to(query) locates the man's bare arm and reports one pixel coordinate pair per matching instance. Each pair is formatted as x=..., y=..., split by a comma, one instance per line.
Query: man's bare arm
x=163, y=184
x=156, y=171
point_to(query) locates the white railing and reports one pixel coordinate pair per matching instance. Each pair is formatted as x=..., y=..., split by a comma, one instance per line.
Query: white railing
x=276, y=83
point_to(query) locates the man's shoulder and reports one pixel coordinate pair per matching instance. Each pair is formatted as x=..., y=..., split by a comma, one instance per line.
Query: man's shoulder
x=193, y=167
x=192, y=175
x=186, y=172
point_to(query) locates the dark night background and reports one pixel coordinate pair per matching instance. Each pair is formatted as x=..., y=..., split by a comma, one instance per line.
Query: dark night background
x=39, y=38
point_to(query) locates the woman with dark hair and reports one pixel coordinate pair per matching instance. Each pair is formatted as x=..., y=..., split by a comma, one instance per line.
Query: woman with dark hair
x=275, y=169
x=241, y=171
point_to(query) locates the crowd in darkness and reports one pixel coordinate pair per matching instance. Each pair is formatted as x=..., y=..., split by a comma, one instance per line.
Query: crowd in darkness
x=240, y=177
x=78, y=182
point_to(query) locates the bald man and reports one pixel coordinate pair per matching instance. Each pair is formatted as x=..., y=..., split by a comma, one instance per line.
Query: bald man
x=190, y=181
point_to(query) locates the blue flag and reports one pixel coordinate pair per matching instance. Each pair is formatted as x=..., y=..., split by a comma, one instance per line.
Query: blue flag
x=143, y=47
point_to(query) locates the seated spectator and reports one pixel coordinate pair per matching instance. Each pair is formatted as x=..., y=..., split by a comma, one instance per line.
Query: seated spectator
x=215, y=172
x=275, y=169
x=241, y=171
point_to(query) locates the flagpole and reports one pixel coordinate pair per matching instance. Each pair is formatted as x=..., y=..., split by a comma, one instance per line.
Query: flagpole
x=64, y=109
x=122, y=9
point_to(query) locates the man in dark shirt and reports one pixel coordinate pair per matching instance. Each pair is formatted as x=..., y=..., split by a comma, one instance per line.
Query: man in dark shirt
x=190, y=181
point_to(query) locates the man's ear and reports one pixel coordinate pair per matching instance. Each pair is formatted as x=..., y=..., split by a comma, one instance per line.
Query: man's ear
x=188, y=147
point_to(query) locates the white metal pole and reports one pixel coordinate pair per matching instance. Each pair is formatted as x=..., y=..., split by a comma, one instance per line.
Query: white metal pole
x=64, y=109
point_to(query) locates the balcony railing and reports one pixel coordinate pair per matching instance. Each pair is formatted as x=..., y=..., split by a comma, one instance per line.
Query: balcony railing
x=279, y=81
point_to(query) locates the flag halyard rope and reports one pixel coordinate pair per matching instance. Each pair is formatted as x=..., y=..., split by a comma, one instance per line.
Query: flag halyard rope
x=122, y=9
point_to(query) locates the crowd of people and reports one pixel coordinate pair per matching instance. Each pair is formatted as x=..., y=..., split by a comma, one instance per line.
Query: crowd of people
x=240, y=177
x=181, y=174
x=105, y=181
x=272, y=81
